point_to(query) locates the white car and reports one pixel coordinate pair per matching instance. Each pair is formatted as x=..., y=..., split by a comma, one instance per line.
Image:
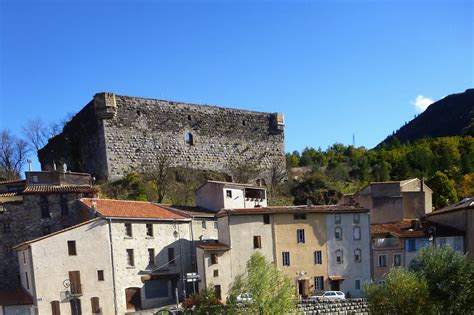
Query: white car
x=328, y=295
x=244, y=298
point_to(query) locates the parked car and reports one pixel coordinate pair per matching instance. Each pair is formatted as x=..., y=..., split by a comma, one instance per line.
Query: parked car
x=244, y=298
x=328, y=295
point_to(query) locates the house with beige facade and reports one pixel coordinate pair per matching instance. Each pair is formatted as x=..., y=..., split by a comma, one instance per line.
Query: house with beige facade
x=294, y=238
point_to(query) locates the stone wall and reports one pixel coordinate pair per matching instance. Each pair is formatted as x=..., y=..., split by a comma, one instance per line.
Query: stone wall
x=115, y=134
x=344, y=307
x=22, y=221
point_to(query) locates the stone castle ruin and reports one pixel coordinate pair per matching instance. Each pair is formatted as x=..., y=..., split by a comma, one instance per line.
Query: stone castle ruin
x=114, y=134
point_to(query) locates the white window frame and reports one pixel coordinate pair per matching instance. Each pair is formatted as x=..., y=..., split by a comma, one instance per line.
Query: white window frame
x=355, y=284
x=394, y=260
x=339, y=251
x=286, y=259
x=336, y=229
x=318, y=257
x=300, y=238
x=356, y=218
x=319, y=283
x=357, y=251
x=337, y=218
x=356, y=228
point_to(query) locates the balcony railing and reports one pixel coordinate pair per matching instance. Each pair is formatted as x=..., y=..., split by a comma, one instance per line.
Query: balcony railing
x=76, y=289
x=386, y=242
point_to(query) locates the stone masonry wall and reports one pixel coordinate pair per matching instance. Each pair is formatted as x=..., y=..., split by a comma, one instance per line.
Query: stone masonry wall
x=135, y=131
x=25, y=223
x=343, y=307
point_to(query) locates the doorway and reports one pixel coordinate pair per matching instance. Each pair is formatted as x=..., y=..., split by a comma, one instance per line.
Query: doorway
x=303, y=288
x=132, y=296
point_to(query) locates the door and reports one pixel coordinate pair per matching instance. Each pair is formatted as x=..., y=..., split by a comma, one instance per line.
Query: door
x=132, y=296
x=335, y=285
x=303, y=288
x=75, y=307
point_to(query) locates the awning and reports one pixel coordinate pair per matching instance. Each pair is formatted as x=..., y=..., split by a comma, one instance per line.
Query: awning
x=151, y=276
x=336, y=278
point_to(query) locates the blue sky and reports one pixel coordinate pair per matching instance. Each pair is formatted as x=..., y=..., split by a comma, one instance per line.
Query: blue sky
x=333, y=67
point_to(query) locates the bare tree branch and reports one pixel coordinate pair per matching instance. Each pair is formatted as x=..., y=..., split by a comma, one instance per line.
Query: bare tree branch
x=13, y=154
x=36, y=133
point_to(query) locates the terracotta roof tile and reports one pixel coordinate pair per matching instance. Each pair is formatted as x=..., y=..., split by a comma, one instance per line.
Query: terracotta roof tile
x=131, y=209
x=57, y=189
x=9, y=194
x=294, y=209
x=16, y=181
x=405, y=229
x=15, y=297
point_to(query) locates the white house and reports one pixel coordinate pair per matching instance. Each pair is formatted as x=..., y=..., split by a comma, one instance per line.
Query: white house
x=215, y=195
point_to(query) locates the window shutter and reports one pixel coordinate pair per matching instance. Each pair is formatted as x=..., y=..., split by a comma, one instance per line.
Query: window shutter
x=55, y=310
x=95, y=305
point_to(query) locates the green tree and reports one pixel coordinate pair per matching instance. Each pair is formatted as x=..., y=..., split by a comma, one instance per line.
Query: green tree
x=449, y=277
x=444, y=192
x=271, y=290
x=403, y=293
x=315, y=188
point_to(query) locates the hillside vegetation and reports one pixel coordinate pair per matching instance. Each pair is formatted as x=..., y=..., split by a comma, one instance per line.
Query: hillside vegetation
x=450, y=116
x=447, y=165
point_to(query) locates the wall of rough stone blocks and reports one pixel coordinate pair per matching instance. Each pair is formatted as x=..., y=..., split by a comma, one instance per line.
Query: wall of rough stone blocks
x=25, y=222
x=135, y=131
x=344, y=307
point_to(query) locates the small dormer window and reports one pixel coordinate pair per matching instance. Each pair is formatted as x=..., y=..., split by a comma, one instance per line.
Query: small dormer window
x=228, y=193
x=188, y=138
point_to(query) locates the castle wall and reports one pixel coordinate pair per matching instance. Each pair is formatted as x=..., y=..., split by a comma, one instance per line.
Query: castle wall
x=130, y=133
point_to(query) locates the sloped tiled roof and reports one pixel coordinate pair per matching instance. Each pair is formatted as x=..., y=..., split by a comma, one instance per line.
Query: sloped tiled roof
x=293, y=209
x=405, y=229
x=466, y=203
x=9, y=194
x=15, y=297
x=130, y=209
x=192, y=211
x=15, y=181
x=35, y=189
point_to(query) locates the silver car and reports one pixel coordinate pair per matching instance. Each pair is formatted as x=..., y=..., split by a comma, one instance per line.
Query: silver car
x=328, y=295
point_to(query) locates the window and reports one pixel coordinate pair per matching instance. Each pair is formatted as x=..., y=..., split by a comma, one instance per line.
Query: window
x=338, y=234
x=397, y=260
x=188, y=138
x=171, y=255
x=217, y=289
x=412, y=245
x=300, y=236
x=299, y=216
x=55, y=310
x=130, y=258
x=357, y=284
x=213, y=259
x=44, y=205
x=204, y=224
x=75, y=306
x=382, y=260
x=457, y=244
x=266, y=219
x=319, y=283
x=27, y=281
x=356, y=232
x=257, y=241
x=151, y=256
x=95, y=305
x=128, y=229
x=381, y=282
x=337, y=219
x=357, y=255
x=6, y=227
x=100, y=275
x=216, y=226
x=64, y=205
x=286, y=258
x=228, y=193
x=318, y=257
x=24, y=257
x=339, y=256
x=71, y=248
x=356, y=218
x=442, y=242
x=149, y=230
x=216, y=273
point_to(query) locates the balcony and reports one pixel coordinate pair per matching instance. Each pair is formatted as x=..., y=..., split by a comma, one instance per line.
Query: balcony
x=386, y=242
x=75, y=290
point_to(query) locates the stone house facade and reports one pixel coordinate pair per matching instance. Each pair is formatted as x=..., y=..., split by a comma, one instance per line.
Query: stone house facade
x=115, y=134
x=39, y=205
